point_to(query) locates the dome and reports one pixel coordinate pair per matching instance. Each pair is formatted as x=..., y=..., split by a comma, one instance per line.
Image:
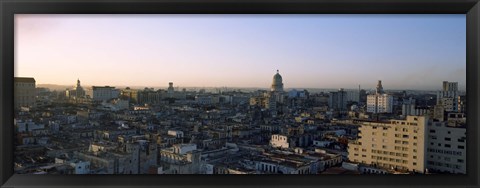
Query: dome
x=277, y=84
x=277, y=78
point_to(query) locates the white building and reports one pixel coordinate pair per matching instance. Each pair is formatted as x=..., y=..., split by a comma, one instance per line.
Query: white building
x=379, y=102
x=446, y=150
x=279, y=141
x=104, y=93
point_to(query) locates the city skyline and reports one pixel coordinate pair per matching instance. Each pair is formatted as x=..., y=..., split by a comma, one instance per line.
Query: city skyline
x=311, y=51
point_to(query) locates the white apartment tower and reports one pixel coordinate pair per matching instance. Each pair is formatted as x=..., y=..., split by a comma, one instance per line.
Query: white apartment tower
x=395, y=144
x=379, y=102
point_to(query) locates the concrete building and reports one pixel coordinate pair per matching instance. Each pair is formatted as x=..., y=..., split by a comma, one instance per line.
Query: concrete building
x=338, y=100
x=131, y=94
x=379, y=102
x=180, y=159
x=448, y=96
x=279, y=141
x=395, y=144
x=104, y=93
x=24, y=89
x=446, y=150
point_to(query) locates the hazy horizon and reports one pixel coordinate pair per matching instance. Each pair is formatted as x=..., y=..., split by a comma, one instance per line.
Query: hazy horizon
x=415, y=52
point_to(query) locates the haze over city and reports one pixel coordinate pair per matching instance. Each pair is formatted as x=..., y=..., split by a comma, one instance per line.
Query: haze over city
x=311, y=51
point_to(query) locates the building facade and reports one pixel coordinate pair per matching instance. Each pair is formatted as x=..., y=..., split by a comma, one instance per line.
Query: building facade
x=338, y=100
x=104, y=93
x=396, y=144
x=25, y=94
x=379, y=102
x=448, y=96
x=446, y=150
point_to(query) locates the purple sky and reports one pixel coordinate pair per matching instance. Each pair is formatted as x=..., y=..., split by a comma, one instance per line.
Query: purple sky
x=311, y=51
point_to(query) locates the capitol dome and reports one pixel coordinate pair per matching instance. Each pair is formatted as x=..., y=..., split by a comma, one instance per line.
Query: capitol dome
x=277, y=84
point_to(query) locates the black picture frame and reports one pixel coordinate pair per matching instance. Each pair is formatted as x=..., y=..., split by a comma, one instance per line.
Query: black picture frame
x=10, y=7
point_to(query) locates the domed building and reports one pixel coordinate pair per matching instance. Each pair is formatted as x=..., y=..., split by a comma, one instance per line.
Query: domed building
x=277, y=84
x=76, y=93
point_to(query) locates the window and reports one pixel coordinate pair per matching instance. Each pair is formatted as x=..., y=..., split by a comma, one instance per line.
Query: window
x=405, y=136
x=460, y=160
x=447, y=145
x=461, y=147
x=432, y=131
x=415, y=137
x=447, y=139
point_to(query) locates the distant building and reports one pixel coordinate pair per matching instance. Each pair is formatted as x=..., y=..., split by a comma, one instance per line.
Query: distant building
x=76, y=94
x=448, y=96
x=395, y=144
x=24, y=92
x=131, y=94
x=338, y=100
x=104, y=93
x=279, y=141
x=170, y=90
x=277, y=84
x=379, y=102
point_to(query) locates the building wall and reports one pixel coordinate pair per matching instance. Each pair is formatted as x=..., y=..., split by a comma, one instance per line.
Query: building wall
x=24, y=92
x=338, y=100
x=398, y=144
x=104, y=93
x=446, y=150
x=380, y=103
x=279, y=141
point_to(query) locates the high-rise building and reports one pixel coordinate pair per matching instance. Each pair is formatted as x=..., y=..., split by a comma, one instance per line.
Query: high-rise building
x=170, y=90
x=379, y=102
x=395, y=144
x=25, y=95
x=448, y=96
x=338, y=100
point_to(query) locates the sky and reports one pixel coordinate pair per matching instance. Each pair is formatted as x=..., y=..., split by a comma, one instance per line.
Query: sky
x=310, y=51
